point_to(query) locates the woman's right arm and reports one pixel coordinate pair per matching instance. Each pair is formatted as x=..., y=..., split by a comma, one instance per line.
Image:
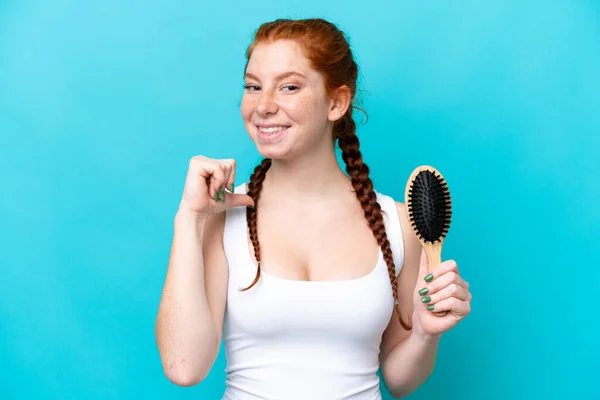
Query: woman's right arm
x=190, y=315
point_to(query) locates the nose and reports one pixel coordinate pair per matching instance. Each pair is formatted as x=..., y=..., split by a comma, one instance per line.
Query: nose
x=266, y=104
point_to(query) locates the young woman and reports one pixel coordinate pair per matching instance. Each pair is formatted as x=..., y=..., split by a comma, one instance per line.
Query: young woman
x=312, y=278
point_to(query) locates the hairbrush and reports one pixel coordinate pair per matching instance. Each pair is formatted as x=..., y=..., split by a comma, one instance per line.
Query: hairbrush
x=429, y=210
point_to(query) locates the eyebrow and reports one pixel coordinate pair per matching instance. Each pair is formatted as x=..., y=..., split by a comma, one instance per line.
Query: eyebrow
x=278, y=77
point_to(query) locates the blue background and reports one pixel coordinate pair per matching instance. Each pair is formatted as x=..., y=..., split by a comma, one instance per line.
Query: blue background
x=103, y=103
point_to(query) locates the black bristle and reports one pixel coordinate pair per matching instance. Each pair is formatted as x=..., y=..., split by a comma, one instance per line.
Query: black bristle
x=429, y=206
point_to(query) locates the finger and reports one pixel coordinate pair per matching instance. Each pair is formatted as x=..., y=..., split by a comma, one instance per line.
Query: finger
x=226, y=179
x=216, y=173
x=452, y=305
x=440, y=282
x=452, y=290
x=231, y=166
x=446, y=266
x=238, y=200
x=207, y=169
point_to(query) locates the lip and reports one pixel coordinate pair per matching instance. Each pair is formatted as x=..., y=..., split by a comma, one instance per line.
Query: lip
x=270, y=125
x=273, y=136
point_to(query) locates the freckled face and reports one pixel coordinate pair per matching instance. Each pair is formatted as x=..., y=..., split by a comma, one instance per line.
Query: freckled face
x=284, y=106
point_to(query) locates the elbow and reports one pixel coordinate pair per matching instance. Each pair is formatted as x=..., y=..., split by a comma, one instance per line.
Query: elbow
x=184, y=380
x=184, y=366
x=404, y=389
x=399, y=394
x=185, y=372
x=184, y=377
x=401, y=387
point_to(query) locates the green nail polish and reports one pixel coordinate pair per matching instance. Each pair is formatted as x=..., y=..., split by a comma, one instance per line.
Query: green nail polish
x=223, y=194
x=217, y=195
x=232, y=188
x=430, y=308
x=423, y=292
x=426, y=299
x=428, y=278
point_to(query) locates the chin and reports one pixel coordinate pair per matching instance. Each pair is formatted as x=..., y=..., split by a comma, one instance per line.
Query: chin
x=273, y=152
x=275, y=148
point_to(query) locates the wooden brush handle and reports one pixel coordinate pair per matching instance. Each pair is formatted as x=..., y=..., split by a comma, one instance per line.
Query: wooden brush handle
x=434, y=258
x=434, y=254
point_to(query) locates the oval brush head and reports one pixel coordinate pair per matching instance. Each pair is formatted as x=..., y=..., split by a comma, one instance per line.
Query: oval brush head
x=429, y=209
x=428, y=203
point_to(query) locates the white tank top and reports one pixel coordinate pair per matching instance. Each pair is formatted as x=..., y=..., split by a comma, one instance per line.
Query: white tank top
x=311, y=340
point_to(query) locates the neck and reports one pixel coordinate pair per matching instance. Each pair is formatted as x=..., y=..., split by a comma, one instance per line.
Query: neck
x=315, y=175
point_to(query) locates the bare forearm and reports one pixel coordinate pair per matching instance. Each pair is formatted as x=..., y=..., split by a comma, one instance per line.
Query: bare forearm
x=409, y=364
x=185, y=330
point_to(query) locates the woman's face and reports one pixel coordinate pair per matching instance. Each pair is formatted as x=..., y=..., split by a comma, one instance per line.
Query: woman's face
x=284, y=107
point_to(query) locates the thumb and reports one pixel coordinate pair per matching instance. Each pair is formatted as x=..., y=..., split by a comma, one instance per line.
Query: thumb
x=238, y=200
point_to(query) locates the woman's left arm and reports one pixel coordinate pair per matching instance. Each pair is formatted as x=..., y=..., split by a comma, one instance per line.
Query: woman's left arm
x=407, y=358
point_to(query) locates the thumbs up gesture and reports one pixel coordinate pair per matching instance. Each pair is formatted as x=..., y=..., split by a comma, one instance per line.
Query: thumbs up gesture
x=205, y=185
x=441, y=298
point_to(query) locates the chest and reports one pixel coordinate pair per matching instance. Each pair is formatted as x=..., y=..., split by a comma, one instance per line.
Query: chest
x=326, y=244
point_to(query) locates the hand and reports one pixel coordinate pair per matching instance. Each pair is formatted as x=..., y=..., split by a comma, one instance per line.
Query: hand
x=205, y=185
x=444, y=290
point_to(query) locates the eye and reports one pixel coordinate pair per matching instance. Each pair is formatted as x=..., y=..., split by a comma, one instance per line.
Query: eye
x=291, y=87
x=251, y=88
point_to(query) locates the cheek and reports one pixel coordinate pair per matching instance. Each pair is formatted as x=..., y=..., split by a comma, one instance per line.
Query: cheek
x=246, y=109
x=306, y=109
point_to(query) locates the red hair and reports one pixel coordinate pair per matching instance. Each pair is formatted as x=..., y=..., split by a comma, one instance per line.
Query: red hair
x=328, y=51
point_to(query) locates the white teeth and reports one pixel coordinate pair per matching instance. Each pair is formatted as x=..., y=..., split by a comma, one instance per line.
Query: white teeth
x=272, y=129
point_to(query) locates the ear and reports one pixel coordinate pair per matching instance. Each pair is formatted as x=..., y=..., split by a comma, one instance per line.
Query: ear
x=340, y=101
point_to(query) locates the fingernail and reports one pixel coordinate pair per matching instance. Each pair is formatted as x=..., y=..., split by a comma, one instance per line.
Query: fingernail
x=217, y=195
x=428, y=278
x=423, y=291
x=232, y=187
x=430, y=308
x=426, y=299
x=223, y=193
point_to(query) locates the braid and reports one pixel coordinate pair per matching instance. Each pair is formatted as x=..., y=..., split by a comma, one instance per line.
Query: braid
x=363, y=187
x=254, y=188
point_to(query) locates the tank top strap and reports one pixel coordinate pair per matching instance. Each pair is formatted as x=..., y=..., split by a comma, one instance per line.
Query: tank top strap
x=393, y=228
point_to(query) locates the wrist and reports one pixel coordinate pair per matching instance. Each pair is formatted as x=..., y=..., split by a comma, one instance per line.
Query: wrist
x=186, y=216
x=425, y=338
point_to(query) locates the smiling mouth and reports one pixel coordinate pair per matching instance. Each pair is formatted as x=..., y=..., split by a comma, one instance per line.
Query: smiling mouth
x=272, y=134
x=272, y=129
